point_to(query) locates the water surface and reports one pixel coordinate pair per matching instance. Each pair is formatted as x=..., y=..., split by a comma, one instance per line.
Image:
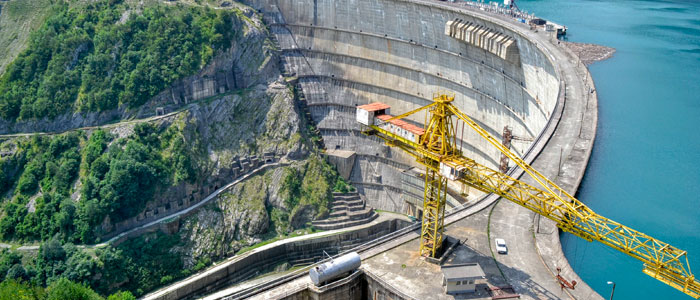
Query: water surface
x=645, y=168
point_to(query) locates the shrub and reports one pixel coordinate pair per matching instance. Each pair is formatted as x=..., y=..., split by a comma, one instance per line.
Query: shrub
x=65, y=289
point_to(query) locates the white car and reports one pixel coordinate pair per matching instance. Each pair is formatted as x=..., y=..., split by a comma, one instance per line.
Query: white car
x=501, y=247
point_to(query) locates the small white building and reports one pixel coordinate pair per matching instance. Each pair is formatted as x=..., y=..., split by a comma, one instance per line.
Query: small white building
x=461, y=278
x=366, y=113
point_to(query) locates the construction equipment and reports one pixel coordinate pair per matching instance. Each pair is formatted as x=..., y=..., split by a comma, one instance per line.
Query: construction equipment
x=435, y=147
x=563, y=283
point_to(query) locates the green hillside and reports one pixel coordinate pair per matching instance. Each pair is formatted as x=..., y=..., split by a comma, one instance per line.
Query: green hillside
x=17, y=20
x=97, y=56
x=118, y=180
x=63, y=194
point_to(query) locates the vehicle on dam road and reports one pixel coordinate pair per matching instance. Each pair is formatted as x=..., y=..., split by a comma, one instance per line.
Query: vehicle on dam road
x=501, y=247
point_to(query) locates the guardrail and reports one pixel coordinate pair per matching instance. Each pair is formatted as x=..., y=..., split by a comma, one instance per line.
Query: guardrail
x=501, y=10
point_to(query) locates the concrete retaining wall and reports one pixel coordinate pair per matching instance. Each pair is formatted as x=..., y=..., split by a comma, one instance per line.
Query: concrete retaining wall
x=264, y=259
x=353, y=287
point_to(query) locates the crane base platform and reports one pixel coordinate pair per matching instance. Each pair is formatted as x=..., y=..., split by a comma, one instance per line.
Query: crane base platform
x=448, y=245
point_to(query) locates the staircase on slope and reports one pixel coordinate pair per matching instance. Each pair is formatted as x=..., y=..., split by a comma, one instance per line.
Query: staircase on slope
x=347, y=209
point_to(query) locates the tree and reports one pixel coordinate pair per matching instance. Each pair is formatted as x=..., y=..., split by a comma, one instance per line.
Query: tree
x=14, y=214
x=17, y=272
x=16, y=290
x=121, y=296
x=66, y=289
x=82, y=58
x=27, y=183
x=8, y=259
x=6, y=174
x=52, y=250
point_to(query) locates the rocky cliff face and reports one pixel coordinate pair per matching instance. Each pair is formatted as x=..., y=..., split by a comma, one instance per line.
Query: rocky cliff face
x=237, y=219
x=259, y=120
x=256, y=121
x=258, y=208
x=244, y=110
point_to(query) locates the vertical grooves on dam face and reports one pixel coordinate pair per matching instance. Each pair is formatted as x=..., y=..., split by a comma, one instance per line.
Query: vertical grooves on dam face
x=496, y=71
x=500, y=107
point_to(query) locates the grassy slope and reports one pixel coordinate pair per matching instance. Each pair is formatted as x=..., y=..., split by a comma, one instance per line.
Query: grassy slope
x=18, y=19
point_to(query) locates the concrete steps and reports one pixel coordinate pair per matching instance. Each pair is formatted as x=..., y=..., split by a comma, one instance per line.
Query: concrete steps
x=347, y=209
x=343, y=216
x=303, y=106
x=346, y=224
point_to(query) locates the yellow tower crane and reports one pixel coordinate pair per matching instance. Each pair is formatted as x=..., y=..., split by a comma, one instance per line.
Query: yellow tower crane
x=435, y=147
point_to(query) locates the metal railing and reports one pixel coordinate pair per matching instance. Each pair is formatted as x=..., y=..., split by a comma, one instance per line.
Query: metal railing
x=491, y=8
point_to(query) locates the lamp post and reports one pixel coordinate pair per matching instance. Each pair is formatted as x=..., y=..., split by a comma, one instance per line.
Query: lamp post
x=613, y=289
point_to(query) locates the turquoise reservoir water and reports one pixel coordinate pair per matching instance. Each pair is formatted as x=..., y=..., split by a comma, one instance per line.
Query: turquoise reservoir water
x=645, y=167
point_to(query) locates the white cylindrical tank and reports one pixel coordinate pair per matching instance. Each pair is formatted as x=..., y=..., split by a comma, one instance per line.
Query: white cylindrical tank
x=335, y=268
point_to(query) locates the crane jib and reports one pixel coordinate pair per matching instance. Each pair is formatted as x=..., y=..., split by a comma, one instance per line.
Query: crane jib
x=434, y=146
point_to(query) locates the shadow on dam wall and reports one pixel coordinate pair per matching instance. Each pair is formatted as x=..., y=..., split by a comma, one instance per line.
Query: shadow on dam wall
x=264, y=260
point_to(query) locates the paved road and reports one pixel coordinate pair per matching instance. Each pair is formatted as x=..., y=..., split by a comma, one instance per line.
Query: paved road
x=523, y=270
x=525, y=267
x=563, y=160
x=304, y=281
x=513, y=222
x=112, y=125
x=193, y=207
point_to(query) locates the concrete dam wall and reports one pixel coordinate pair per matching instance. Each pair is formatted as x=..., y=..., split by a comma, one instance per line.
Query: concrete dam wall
x=401, y=52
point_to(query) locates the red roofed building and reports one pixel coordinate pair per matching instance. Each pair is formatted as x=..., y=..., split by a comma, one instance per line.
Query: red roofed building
x=374, y=106
x=366, y=113
x=378, y=114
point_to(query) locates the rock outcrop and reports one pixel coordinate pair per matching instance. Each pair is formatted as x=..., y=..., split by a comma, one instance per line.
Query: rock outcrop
x=228, y=136
x=256, y=209
x=237, y=219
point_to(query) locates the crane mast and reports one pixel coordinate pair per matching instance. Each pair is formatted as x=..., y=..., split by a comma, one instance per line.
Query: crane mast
x=435, y=147
x=439, y=138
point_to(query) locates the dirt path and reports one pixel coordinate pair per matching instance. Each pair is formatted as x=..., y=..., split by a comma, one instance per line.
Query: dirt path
x=111, y=125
